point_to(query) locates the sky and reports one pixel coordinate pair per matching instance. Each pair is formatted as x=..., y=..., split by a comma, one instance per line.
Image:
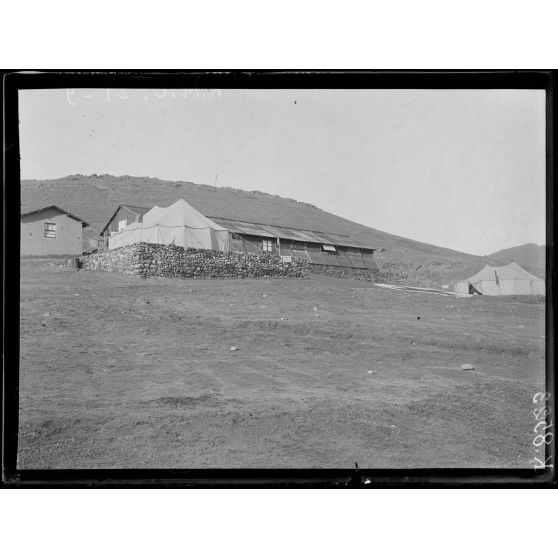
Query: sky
x=463, y=169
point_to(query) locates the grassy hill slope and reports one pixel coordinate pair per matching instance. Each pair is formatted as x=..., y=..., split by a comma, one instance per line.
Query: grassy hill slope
x=94, y=198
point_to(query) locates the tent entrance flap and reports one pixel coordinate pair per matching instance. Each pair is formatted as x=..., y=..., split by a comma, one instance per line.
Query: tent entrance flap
x=473, y=290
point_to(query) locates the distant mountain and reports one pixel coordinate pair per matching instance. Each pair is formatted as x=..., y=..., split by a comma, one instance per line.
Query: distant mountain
x=95, y=198
x=532, y=257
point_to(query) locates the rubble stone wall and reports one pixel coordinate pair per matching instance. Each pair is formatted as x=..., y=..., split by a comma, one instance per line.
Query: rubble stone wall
x=157, y=260
x=122, y=260
x=346, y=272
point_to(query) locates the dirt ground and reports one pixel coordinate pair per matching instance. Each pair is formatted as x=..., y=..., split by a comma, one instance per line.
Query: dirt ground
x=118, y=371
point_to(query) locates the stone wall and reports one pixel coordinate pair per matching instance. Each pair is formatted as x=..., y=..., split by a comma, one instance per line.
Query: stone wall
x=157, y=260
x=123, y=260
x=346, y=272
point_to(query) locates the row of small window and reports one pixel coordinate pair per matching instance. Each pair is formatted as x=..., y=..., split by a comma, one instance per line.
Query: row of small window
x=267, y=246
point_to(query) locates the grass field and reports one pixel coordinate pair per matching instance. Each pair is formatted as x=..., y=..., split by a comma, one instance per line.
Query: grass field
x=118, y=371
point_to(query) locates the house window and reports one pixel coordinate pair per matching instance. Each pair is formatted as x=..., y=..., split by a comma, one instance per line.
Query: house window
x=122, y=225
x=50, y=230
x=328, y=248
x=267, y=246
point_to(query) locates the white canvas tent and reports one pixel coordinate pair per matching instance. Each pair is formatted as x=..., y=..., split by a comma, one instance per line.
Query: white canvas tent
x=179, y=224
x=509, y=279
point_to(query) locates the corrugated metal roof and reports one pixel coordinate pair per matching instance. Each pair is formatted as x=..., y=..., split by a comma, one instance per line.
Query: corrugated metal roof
x=240, y=227
x=300, y=235
x=326, y=238
x=289, y=234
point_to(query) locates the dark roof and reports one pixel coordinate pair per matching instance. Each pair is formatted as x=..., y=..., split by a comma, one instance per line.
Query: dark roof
x=133, y=208
x=289, y=233
x=83, y=223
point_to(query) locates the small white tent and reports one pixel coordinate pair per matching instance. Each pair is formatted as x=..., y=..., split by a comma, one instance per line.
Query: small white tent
x=509, y=279
x=179, y=224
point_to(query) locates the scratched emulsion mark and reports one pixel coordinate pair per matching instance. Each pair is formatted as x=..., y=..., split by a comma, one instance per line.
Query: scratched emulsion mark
x=75, y=96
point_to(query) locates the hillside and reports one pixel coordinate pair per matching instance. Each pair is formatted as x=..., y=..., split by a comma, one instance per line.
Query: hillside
x=532, y=257
x=95, y=198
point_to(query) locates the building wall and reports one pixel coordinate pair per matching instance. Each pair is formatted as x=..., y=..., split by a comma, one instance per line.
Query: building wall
x=122, y=214
x=68, y=241
x=345, y=257
x=251, y=244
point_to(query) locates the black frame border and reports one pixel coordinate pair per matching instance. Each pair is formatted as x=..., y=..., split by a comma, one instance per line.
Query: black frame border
x=13, y=81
